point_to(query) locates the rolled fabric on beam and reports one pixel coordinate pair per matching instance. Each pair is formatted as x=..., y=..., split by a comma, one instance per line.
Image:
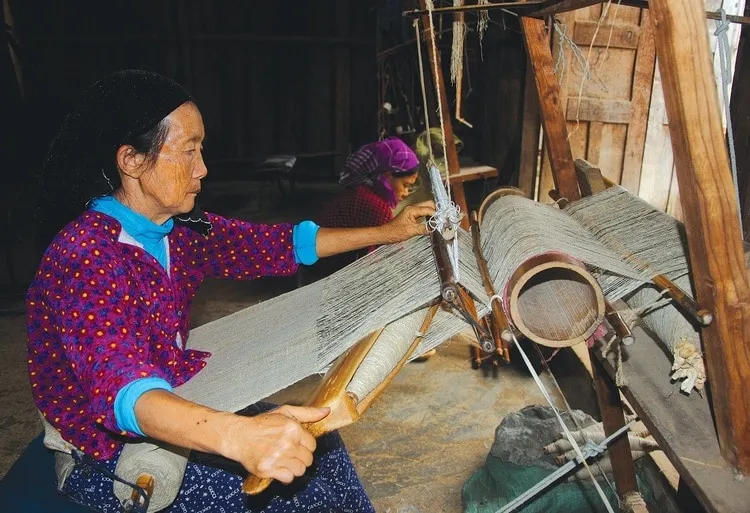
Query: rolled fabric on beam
x=359, y=376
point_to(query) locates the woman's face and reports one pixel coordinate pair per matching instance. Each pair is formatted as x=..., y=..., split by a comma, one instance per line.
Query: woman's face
x=402, y=185
x=174, y=180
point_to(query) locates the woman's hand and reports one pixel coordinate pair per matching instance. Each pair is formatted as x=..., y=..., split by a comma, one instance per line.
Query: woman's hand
x=274, y=444
x=410, y=221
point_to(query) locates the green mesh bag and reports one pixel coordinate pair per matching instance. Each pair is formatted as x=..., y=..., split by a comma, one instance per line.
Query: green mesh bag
x=517, y=462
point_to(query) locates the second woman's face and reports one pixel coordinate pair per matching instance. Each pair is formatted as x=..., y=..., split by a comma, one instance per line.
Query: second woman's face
x=402, y=185
x=174, y=180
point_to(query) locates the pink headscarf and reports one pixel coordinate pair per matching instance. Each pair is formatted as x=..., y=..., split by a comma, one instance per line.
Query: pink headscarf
x=369, y=164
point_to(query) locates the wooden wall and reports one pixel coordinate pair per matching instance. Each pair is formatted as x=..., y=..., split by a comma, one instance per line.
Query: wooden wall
x=270, y=77
x=616, y=115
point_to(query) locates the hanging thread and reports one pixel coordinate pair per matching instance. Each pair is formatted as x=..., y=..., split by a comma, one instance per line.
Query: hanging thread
x=725, y=60
x=447, y=214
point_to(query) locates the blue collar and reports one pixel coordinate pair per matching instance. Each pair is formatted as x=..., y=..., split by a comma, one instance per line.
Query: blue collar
x=149, y=235
x=136, y=225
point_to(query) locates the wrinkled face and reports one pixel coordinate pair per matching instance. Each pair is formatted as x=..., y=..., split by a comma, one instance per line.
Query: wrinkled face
x=402, y=185
x=174, y=180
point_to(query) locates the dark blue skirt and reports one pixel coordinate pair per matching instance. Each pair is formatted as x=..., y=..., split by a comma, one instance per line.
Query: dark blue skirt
x=213, y=484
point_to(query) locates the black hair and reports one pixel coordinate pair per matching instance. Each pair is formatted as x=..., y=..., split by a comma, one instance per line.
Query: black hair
x=128, y=107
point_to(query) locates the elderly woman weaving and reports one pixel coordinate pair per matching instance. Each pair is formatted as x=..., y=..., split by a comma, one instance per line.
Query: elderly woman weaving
x=108, y=310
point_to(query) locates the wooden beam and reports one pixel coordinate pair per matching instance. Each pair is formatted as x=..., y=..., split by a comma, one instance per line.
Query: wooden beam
x=590, y=179
x=640, y=102
x=529, y=160
x=342, y=87
x=612, y=36
x=451, y=157
x=613, y=418
x=559, y=6
x=553, y=118
x=599, y=110
x=710, y=214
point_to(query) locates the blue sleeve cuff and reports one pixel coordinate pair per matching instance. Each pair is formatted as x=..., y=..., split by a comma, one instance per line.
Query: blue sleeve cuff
x=304, y=236
x=127, y=397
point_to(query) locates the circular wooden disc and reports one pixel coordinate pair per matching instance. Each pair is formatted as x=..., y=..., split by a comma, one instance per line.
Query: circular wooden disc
x=556, y=303
x=494, y=196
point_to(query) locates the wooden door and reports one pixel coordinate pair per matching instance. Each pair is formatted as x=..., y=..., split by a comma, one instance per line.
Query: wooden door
x=616, y=115
x=605, y=88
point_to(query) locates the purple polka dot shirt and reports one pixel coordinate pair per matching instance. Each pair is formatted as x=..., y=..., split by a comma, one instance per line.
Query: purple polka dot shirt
x=102, y=313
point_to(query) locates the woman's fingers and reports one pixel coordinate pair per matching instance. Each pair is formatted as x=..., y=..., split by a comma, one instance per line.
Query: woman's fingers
x=423, y=209
x=303, y=414
x=276, y=445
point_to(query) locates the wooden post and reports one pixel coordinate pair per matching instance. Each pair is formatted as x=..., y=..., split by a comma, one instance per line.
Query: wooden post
x=553, y=117
x=613, y=418
x=451, y=157
x=529, y=161
x=710, y=214
x=343, y=86
x=643, y=79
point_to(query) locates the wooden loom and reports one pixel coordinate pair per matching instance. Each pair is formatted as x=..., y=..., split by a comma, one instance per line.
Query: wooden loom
x=715, y=250
x=716, y=260
x=716, y=257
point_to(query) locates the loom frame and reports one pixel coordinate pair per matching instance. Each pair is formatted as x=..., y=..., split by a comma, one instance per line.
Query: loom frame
x=711, y=222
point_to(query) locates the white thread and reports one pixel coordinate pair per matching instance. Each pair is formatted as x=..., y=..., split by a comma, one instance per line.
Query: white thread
x=496, y=297
x=385, y=354
x=567, y=432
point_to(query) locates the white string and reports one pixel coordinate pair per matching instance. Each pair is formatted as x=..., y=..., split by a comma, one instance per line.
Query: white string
x=725, y=61
x=568, y=434
x=447, y=214
x=436, y=74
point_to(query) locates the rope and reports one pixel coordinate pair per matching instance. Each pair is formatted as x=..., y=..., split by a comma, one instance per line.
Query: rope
x=579, y=427
x=620, y=380
x=725, y=57
x=580, y=456
x=447, y=214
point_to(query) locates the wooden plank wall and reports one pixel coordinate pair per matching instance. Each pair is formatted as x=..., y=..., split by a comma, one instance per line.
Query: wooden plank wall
x=268, y=76
x=617, y=117
x=605, y=112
